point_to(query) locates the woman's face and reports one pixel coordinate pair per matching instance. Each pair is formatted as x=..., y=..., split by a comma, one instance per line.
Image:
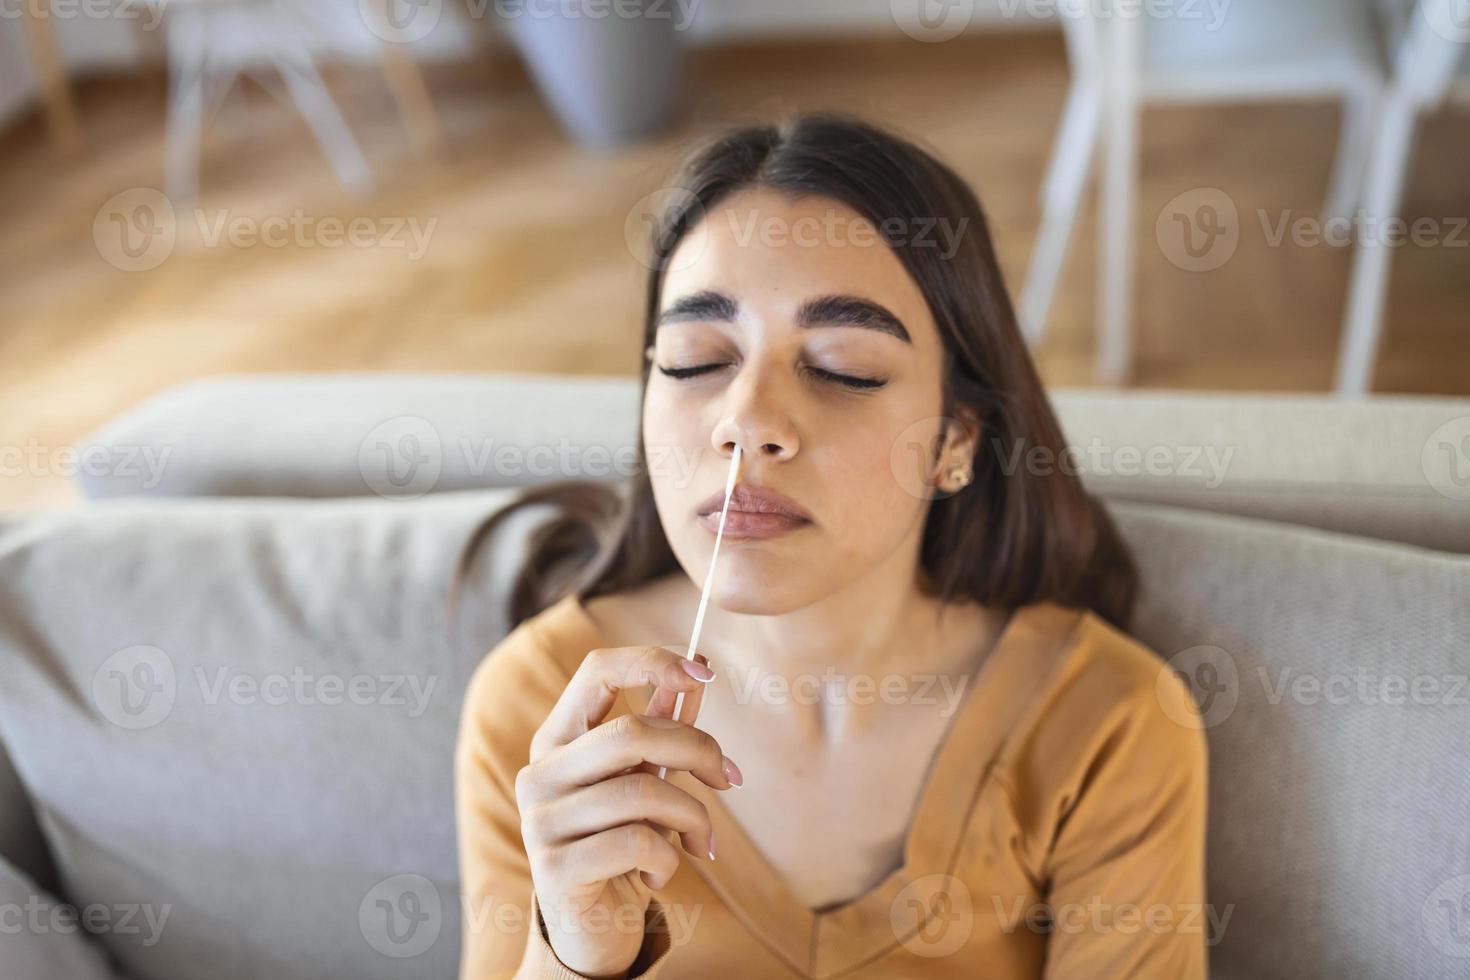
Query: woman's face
x=820, y=358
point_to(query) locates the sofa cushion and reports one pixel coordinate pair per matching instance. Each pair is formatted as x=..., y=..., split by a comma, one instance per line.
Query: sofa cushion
x=178, y=699
x=1394, y=468
x=245, y=712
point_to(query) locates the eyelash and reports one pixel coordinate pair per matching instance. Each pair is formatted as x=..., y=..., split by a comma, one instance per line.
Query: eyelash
x=846, y=380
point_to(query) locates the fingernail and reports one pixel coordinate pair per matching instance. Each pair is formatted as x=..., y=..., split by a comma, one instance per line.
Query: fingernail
x=712, y=844
x=732, y=772
x=698, y=671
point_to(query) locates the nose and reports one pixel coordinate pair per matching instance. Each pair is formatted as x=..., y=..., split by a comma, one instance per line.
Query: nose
x=754, y=422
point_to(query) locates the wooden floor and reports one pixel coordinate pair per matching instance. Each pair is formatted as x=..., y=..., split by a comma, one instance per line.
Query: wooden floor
x=527, y=270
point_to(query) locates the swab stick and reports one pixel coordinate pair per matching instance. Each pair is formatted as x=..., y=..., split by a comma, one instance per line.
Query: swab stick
x=709, y=579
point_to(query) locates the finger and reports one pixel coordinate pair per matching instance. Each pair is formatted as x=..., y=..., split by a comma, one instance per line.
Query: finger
x=589, y=695
x=617, y=851
x=620, y=800
x=626, y=743
x=662, y=704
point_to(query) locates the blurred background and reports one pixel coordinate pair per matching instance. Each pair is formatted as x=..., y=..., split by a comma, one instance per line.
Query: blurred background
x=1185, y=194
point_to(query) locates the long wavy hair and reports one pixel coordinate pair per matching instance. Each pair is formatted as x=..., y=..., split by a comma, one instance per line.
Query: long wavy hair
x=1015, y=535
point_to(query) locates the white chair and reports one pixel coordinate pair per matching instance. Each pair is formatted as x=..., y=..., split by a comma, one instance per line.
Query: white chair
x=1260, y=50
x=213, y=42
x=1431, y=46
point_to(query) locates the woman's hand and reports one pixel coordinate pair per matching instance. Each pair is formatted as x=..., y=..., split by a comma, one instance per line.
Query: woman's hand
x=594, y=813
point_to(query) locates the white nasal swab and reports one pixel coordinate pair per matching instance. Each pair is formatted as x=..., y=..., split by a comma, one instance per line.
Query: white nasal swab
x=709, y=579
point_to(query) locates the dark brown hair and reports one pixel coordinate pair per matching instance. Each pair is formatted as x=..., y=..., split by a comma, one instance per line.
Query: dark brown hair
x=1016, y=535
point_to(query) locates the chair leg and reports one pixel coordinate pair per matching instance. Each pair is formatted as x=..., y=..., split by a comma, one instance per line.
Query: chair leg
x=1355, y=145
x=310, y=94
x=1067, y=174
x=1119, y=190
x=1368, y=290
x=188, y=54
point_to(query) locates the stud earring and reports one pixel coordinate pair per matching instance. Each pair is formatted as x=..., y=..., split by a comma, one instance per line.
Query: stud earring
x=960, y=477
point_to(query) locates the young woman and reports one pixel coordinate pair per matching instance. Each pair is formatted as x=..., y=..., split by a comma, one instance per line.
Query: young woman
x=920, y=743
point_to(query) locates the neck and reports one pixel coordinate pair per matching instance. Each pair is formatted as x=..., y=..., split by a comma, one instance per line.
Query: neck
x=849, y=659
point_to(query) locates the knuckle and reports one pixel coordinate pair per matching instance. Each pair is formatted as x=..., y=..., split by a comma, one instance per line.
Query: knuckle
x=628, y=726
x=524, y=785
x=638, y=840
x=639, y=787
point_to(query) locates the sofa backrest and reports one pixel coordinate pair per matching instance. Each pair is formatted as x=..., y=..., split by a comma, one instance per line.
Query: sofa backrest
x=1396, y=469
x=178, y=698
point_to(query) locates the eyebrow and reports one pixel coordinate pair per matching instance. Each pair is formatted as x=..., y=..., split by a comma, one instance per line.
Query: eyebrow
x=838, y=310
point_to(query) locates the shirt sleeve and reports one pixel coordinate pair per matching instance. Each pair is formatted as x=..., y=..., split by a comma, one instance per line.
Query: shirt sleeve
x=508, y=696
x=1126, y=874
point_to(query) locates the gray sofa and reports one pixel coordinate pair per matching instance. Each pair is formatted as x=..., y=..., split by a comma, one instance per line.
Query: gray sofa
x=229, y=685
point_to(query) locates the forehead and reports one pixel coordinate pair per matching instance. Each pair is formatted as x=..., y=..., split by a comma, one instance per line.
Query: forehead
x=772, y=253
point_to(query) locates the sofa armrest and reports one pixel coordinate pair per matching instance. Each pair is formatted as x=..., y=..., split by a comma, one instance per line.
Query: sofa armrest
x=1391, y=468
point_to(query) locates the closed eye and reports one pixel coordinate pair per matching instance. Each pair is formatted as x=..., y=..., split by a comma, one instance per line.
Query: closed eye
x=849, y=380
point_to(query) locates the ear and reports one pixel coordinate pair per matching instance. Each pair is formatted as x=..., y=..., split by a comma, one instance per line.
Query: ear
x=961, y=438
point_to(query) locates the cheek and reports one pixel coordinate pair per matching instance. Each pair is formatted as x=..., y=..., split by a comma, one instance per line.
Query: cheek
x=869, y=507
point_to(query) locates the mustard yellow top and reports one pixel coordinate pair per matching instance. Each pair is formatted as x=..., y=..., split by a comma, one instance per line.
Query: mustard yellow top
x=1059, y=834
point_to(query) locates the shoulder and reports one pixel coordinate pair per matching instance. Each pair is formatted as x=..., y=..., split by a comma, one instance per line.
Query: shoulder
x=1108, y=710
x=513, y=688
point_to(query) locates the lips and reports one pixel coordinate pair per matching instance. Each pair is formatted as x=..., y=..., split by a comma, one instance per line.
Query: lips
x=749, y=499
